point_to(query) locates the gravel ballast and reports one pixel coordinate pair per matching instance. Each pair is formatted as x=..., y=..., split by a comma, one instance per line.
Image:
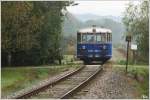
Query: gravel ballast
x=109, y=84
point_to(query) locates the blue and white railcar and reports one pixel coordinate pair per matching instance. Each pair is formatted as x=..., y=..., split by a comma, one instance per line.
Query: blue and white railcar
x=94, y=44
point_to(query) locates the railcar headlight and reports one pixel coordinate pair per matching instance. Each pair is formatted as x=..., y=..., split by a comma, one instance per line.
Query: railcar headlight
x=90, y=55
x=90, y=50
x=104, y=47
x=97, y=55
x=97, y=50
x=83, y=47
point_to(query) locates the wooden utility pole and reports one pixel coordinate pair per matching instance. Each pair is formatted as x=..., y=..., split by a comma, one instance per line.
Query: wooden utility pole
x=127, y=56
x=128, y=39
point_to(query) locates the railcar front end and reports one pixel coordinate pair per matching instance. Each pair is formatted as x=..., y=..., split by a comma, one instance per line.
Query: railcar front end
x=94, y=44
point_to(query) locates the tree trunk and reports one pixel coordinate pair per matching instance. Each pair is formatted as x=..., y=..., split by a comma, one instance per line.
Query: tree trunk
x=9, y=59
x=60, y=61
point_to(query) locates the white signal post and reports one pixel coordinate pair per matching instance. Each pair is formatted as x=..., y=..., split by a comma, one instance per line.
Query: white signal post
x=134, y=48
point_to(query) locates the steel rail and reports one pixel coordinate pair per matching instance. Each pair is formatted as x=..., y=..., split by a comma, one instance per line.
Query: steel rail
x=68, y=93
x=78, y=87
x=39, y=89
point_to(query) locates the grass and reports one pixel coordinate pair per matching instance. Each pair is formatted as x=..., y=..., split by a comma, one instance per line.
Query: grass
x=141, y=70
x=144, y=72
x=14, y=79
x=70, y=59
x=130, y=62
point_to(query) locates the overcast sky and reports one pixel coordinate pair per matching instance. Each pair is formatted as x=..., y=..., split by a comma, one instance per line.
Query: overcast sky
x=102, y=8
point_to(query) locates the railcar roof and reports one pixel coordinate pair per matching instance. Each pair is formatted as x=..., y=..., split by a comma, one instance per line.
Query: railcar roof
x=98, y=30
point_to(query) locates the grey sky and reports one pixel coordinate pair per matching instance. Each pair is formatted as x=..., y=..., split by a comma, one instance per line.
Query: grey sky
x=103, y=8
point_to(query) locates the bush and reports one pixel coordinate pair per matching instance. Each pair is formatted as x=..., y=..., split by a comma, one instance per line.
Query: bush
x=123, y=62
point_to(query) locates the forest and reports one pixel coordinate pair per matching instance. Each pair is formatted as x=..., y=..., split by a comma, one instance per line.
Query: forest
x=136, y=21
x=31, y=32
x=37, y=33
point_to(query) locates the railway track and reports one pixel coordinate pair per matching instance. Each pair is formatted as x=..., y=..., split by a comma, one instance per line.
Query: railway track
x=64, y=87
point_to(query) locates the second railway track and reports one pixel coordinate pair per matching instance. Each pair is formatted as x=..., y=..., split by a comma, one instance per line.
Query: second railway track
x=66, y=86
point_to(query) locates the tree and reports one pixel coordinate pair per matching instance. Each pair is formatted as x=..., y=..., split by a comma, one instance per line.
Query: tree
x=136, y=21
x=31, y=32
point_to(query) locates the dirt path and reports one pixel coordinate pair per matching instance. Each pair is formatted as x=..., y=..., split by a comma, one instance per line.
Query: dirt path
x=109, y=85
x=118, y=55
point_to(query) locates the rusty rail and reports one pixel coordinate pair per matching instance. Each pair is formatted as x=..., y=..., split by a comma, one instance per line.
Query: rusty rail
x=39, y=89
x=66, y=94
x=78, y=87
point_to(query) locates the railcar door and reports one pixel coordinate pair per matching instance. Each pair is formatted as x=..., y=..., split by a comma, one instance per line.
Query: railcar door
x=91, y=39
x=81, y=46
x=98, y=45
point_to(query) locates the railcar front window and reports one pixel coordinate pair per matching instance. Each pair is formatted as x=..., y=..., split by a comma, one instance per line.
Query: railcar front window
x=91, y=38
x=103, y=39
x=108, y=36
x=98, y=38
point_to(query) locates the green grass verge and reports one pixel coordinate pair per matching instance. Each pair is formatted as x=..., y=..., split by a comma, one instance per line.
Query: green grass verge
x=130, y=62
x=142, y=70
x=14, y=79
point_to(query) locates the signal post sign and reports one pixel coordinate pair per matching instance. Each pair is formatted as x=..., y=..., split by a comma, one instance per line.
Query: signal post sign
x=133, y=47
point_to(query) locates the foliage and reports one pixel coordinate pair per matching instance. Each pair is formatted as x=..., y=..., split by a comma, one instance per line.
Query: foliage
x=142, y=71
x=130, y=62
x=31, y=32
x=136, y=21
x=121, y=62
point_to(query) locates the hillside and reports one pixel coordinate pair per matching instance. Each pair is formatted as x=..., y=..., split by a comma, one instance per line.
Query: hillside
x=86, y=17
x=116, y=27
x=72, y=24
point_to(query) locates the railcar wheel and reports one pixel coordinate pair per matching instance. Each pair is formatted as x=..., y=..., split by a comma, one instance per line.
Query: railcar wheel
x=86, y=62
x=104, y=61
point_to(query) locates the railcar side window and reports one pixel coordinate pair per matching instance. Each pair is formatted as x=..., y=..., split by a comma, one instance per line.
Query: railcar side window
x=103, y=37
x=108, y=37
x=84, y=36
x=79, y=38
